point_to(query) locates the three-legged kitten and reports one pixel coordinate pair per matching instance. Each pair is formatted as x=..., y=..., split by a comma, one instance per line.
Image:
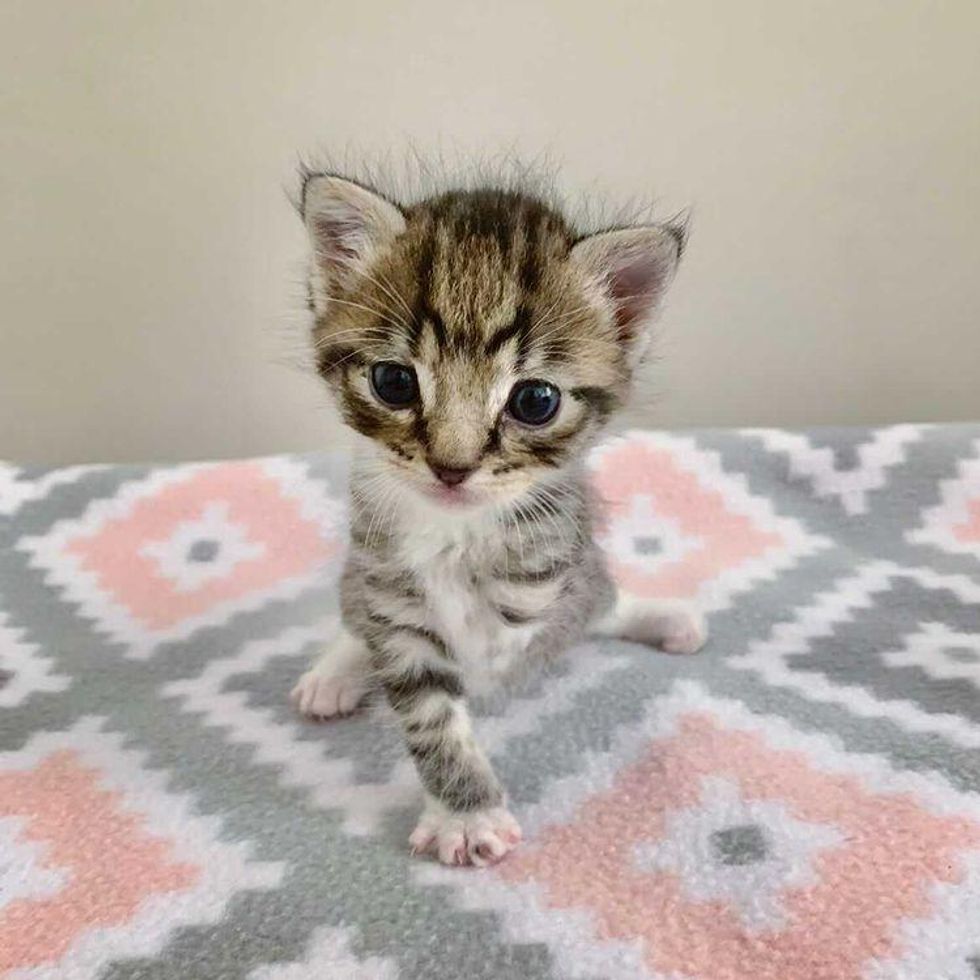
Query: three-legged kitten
x=477, y=344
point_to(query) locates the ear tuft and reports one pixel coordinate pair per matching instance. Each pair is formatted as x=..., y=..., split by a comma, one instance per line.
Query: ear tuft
x=348, y=225
x=633, y=267
x=680, y=228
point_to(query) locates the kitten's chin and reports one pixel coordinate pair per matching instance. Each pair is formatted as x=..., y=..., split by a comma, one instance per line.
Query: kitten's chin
x=455, y=498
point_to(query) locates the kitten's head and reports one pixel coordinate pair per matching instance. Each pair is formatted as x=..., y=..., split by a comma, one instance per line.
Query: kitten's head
x=475, y=337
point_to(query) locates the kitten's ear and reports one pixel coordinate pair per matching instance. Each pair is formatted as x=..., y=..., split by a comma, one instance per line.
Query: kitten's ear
x=633, y=268
x=348, y=225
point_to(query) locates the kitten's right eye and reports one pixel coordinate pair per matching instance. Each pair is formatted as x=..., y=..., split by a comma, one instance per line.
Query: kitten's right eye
x=394, y=384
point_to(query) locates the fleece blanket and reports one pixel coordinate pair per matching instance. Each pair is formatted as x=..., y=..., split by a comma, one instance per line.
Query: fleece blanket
x=800, y=801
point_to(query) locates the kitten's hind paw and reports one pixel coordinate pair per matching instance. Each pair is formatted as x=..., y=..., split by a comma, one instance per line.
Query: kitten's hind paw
x=681, y=631
x=477, y=837
x=670, y=625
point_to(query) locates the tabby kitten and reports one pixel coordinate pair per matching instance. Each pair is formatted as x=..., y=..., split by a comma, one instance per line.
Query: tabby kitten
x=477, y=344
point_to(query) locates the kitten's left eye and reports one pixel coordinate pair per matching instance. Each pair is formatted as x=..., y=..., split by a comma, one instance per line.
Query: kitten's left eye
x=394, y=384
x=534, y=402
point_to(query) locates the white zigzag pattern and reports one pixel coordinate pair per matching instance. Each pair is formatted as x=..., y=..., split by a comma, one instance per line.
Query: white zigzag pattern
x=885, y=449
x=329, y=958
x=31, y=671
x=928, y=648
x=14, y=493
x=769, y=658
x=938, y=522
x=333, y=781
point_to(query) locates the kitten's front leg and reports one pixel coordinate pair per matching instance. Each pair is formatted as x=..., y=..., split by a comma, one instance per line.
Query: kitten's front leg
x=465, y=820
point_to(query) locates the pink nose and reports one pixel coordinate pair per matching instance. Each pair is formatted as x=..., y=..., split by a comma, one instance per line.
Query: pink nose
x=451, y=476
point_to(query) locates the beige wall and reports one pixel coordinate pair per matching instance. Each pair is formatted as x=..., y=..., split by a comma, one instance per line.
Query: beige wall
x=149, y=261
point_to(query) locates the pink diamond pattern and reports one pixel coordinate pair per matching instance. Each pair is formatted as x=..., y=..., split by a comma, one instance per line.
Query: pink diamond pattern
x=188, y=547
x=715, y=538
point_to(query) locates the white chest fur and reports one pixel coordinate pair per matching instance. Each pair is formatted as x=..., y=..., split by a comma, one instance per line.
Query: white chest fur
x=452, y=561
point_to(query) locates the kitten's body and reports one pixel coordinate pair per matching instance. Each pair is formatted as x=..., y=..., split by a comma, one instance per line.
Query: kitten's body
x=492, y=586
x=453, y=583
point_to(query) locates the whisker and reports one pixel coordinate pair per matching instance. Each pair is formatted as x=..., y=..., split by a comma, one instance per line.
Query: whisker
x=352, y=354
x=559, y=324
x=397, y=295
x=520, y=538
x=539, y=321
x=385, y=286
x=321, y=342
x=400, y=324
x=383, y=501
x=552, y=518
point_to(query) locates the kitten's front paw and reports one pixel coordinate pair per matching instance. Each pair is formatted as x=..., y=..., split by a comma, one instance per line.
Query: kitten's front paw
x=478, y=837
x=338, y=680
x=321, y=695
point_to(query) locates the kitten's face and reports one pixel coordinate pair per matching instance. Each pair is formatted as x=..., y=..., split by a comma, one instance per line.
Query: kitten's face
x=470, y=338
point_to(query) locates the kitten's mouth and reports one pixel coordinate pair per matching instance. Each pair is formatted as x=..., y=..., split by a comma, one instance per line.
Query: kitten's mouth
x=450, y=496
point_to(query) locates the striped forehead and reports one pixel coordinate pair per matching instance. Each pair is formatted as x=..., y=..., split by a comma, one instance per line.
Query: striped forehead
x=480, y=259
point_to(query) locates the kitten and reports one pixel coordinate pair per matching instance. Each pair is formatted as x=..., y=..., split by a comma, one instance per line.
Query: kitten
x=477, y=344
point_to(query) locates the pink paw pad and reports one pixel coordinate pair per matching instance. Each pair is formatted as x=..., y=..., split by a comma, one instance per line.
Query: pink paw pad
x=478, y=838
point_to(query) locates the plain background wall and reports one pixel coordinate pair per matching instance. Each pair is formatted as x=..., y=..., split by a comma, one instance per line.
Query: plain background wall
x=149, y=261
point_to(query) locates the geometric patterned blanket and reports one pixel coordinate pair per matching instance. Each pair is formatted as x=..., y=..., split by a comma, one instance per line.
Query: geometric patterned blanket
x=800, y=801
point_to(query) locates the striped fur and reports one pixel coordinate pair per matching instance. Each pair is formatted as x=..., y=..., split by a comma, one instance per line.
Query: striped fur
x=475, y=291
